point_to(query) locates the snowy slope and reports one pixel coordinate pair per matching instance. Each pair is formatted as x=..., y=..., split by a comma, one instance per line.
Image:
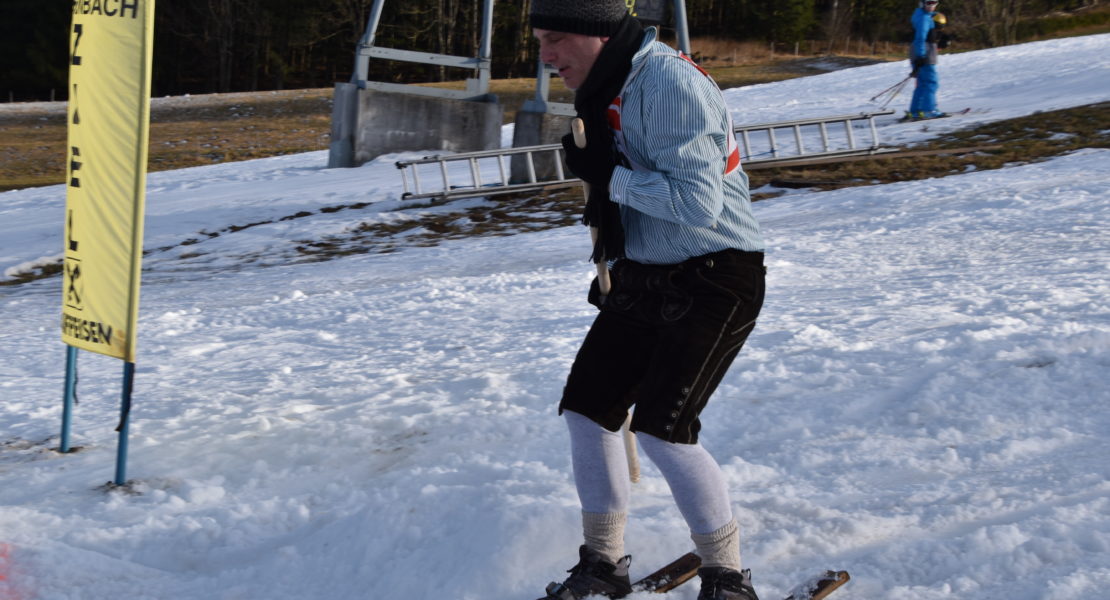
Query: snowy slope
x=924, y=402
x=1007, y=82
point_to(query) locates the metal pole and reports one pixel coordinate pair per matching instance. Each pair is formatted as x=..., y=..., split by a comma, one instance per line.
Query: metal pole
x=70, y=394
x=372, y=24
x=362, y=63
x=486, y=51
x=124, y=422
x=681, y=28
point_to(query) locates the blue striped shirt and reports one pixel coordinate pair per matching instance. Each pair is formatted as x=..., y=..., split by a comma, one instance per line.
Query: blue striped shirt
x=676, y=203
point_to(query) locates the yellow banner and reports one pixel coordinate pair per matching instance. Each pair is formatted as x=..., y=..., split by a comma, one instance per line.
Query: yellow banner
x=109, y=119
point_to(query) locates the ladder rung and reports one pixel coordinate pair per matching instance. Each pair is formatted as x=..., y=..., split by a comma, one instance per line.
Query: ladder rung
x=815, y=129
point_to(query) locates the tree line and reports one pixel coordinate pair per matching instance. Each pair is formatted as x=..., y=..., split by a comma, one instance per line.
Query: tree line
x=205, y=46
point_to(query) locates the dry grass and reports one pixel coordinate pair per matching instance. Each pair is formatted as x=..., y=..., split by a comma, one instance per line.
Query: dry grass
x=32, y=151
x=192, y=131
x=185, y=131
x=242, y=129
x=717, y=52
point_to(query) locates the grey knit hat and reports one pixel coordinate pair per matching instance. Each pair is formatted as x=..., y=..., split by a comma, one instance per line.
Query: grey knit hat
x=587, y=17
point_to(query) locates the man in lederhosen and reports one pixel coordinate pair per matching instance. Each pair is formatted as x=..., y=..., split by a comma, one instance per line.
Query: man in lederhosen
x=675, y=221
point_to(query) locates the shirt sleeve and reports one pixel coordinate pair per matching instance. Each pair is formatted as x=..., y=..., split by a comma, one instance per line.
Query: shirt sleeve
x=922, y=24
x=680, y=140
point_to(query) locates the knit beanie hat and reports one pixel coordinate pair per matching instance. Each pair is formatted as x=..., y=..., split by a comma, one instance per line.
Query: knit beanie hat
x=587, y=17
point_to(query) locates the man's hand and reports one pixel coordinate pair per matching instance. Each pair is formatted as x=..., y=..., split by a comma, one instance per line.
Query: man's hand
x=593, y=164
x=916, y=64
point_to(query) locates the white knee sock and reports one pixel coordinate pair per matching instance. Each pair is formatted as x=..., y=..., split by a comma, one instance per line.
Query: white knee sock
x=601, y=477
x=699, y=490
x=604, y=534
x=720, y=548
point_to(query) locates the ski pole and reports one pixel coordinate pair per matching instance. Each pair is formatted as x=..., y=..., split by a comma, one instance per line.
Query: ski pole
x=897, y=91
x=578, y=128
x=897, y=85
x=630, y=451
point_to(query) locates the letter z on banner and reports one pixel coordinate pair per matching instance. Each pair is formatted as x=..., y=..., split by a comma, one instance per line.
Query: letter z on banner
x=109, y=118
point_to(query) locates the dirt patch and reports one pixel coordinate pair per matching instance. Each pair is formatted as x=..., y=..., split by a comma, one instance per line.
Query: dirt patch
x=1012, y=141
x=185, y=131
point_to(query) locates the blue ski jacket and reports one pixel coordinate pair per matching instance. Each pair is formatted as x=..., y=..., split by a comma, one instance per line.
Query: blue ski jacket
x=922, y=47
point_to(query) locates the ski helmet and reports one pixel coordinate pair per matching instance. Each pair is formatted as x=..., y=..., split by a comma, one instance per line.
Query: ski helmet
x=940, y=19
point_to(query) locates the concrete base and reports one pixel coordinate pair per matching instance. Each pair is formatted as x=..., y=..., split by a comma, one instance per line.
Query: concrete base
x=344, y=121
x=393, y=122
x=536, y=129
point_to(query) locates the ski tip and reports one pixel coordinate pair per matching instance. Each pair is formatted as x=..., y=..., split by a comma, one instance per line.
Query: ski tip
x=819, y=586
x=831, y=581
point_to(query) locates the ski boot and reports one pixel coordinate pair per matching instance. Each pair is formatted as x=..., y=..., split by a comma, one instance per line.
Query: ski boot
x=593, y=575
x=722, y=583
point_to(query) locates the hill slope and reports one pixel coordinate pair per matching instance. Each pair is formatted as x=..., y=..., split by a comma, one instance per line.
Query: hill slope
x=924, y=402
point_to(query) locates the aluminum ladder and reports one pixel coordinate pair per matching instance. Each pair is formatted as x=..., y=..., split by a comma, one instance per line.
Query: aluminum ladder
x=486, y=173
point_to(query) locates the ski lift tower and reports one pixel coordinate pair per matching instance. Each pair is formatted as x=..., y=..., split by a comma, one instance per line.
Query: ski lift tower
x=541, y=121
x=370, y=118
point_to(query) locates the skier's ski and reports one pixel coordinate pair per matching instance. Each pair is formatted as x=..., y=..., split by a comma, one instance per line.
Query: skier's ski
x=911, y=119
x=966, y=111
x=674, y=574
x=969, y=111
x=819, y=586
x=671, y=576
x=686, y=566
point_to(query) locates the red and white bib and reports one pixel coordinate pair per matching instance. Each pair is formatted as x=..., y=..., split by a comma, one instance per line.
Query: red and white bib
x=613, y=115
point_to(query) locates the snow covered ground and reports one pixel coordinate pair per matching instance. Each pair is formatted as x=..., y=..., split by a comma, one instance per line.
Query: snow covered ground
x=924, y=402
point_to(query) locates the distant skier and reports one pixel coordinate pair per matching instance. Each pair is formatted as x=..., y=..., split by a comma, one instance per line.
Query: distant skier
x=673, y=209
x=923, y=60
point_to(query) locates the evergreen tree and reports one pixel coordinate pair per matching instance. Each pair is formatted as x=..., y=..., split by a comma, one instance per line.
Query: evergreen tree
x=34, y=49
x=784, y=21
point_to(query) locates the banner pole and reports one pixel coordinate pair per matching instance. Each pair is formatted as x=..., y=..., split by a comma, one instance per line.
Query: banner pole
x=70, y=394
x=124, y=422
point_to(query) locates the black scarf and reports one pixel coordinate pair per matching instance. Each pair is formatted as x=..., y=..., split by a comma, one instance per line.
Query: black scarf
x=591, y=102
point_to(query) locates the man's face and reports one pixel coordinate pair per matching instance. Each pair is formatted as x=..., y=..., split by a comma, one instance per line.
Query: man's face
x=930, y=6
x=573, y=54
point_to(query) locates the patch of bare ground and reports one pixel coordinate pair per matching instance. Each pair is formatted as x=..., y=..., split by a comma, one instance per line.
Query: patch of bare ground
x=197, y=130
